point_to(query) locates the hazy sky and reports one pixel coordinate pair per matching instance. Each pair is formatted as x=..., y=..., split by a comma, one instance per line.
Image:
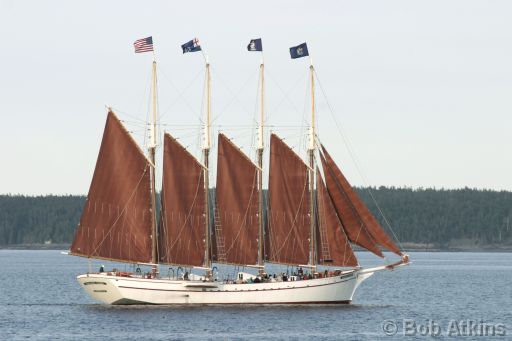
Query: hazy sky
x=422, y=89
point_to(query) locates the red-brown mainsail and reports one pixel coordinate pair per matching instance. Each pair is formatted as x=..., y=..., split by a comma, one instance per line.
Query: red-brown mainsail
x=332, y=243
x=352, y=224
x=288, y=206
x=237, y=205
x=354, y=214
x=181, y=238
x=116, y=219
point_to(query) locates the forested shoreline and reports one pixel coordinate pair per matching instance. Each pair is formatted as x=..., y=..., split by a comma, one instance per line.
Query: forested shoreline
x=465, y=219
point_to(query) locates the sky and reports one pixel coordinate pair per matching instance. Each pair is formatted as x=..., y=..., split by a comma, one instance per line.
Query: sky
x=409, y=93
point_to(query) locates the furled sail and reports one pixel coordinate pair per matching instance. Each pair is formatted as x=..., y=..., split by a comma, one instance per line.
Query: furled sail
x=182, y=220
x=332, y=243
x=359, y=223
x=236, y=231
x=288, y=206
x=116, y=220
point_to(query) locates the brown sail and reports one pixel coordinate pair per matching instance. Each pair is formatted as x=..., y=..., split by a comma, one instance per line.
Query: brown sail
x=352, y=224
x=116, y=219
x=332, y=243
x=182, y=221
x=237, y=206
x=358, y=216
x=288, y=206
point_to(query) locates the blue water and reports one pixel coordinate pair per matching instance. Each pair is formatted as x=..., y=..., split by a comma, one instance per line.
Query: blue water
x=41, y=300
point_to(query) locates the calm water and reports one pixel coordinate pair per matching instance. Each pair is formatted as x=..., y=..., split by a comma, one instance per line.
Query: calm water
x=40, y=299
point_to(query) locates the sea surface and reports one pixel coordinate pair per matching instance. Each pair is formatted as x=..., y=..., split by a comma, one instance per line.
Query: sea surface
x=436, y=296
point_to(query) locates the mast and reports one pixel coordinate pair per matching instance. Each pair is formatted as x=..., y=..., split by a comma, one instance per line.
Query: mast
x=152, y=147
x=260, y=170
x=311, y=152
x=206, y=153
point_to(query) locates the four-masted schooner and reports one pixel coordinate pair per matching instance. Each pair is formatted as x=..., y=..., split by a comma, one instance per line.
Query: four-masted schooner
x=307, y=220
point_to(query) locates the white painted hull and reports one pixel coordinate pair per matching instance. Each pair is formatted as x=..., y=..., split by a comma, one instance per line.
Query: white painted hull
x=130, y=290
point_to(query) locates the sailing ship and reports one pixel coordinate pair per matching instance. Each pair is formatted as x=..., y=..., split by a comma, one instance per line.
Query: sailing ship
x=307, y=221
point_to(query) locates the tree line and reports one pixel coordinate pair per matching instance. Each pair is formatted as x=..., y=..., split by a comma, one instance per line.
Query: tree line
x=437, y=217
x=442, y=216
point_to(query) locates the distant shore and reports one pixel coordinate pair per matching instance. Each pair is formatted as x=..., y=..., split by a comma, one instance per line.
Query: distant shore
x=35, y=247
x=457, y=246
x=408, y=247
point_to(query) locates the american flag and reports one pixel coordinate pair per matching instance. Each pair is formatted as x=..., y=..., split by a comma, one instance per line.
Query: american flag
x=143, y=45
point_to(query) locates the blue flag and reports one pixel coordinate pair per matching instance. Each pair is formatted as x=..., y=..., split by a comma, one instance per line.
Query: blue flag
x=191, y=46
x=255, y=45
x=299, y=51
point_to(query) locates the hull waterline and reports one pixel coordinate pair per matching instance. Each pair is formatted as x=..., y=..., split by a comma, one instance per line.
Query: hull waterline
x=110, y=289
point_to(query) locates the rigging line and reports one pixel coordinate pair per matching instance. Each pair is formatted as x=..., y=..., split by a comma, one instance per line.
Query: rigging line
x=354, y=159
x=285, y=126
x=148, y=113
x=303, y=140
x=158, y=128
x=137, y=132
x=292, y=229
x=195, y=135
x=242, y=134
x=362, y=224
x=289, y=129
x=143, y=98
x=164, y=229
x=286, y=94
x=255, y=124
x=122, y=211
x=354, y=210
x=180, y=93
x=184, y=136
x=235, y=95
x=293, y=136
x=189, y=212
x=322, y=222
x=134, y=123
x=240, y=138
x=119, y=111
x=347, y=240
x=232, y=125
x=180, y=125
x=243, y=223
x=183, y=130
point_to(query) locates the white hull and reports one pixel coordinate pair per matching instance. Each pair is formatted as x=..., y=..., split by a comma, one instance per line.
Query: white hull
x=131, y=290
